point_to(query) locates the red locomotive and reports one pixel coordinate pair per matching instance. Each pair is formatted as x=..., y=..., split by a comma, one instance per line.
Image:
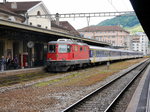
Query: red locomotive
x=65, y=53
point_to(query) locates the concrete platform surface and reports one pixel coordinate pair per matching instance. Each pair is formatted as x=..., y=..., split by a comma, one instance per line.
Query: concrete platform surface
x=20, y=71
x=140, y=99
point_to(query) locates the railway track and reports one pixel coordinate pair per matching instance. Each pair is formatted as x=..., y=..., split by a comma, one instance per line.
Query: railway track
x=102, y=99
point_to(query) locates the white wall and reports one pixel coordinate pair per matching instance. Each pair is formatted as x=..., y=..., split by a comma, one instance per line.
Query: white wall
x=43, y=21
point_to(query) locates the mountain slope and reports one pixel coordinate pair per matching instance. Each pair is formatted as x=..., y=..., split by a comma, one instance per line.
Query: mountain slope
x=134, y=29
x=125, y=20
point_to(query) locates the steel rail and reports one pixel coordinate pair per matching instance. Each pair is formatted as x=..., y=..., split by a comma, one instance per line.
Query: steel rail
x=113, y=102
x=100, y=89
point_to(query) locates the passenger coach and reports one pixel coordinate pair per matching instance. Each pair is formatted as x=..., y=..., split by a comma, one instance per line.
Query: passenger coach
x=100, y=54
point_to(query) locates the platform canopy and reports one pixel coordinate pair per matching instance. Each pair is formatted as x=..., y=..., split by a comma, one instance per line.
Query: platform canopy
x=22, y=31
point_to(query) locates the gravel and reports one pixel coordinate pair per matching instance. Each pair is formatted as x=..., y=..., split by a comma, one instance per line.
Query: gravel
x=55, y=97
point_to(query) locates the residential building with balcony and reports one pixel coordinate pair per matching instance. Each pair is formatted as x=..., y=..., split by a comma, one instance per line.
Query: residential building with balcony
x=140, y=42
x=115, y=35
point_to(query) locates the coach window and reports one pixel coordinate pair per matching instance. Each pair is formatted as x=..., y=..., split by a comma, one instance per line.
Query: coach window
x=52, y=48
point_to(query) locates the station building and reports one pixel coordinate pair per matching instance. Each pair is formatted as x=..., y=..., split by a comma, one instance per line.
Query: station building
x=15, y=43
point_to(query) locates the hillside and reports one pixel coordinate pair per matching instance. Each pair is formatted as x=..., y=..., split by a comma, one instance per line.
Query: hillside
x=134, y=29
x=126, y=21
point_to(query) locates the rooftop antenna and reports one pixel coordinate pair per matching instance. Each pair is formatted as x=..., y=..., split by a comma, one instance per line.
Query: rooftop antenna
x=4, y=1
x=57, y=18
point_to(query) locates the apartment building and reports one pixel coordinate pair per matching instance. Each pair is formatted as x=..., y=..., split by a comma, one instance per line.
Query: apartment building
x=140, y=42
x=115, y=35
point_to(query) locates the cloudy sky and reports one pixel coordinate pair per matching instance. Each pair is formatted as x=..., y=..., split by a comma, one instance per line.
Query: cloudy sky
x=84, y=6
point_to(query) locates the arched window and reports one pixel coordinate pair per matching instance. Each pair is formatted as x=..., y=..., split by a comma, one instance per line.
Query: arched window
x=38, y=13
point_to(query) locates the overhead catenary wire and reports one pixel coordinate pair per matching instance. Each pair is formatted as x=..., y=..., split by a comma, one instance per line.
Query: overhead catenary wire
x=111, y=3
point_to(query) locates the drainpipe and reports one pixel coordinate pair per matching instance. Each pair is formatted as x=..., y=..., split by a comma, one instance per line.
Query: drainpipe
x=27, y=18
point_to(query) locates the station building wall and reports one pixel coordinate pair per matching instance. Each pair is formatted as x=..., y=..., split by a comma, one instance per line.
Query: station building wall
x=27, y=57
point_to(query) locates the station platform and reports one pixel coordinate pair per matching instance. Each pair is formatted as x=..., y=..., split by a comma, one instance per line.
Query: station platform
x=20, y=71
x=140, y=101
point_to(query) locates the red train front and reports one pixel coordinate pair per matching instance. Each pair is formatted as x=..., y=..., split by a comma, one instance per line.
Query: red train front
x=65, y=53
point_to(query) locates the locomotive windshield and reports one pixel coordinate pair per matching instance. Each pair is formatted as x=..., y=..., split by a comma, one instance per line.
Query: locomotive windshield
x=52, y=48
x=63, y=48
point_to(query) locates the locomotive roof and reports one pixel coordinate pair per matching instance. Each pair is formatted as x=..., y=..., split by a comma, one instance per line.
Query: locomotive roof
x=91, y=47
x=66, y=42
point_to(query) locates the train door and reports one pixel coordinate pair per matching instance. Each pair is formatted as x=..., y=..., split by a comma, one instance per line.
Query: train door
x=94, y=60
x=45, y=53
x=76, y=52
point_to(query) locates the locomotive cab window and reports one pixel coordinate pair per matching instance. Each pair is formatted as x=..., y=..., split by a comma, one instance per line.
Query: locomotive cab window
x=52, y=48
x=64, y=48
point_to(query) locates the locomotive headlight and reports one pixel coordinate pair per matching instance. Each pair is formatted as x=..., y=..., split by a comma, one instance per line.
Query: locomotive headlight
x=50, y=59
x=64, y=59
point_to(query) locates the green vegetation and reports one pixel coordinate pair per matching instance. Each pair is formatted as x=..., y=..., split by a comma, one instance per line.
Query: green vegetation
x=123, y=20
x=20, y=78
x=134, y=29
x=41, y=84
x=128, y=22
